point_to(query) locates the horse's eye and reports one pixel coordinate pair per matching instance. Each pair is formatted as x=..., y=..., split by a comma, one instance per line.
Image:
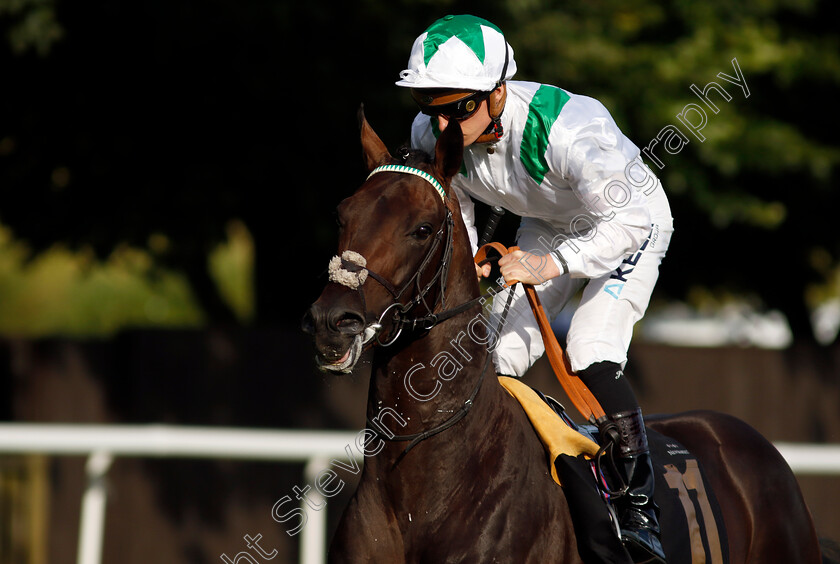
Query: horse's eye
x=422, y=232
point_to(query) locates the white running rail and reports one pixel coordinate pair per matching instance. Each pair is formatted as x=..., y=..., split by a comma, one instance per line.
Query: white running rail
x=102, y=443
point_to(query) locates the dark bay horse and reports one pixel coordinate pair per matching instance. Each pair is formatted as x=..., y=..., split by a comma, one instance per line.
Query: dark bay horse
x=473, y=486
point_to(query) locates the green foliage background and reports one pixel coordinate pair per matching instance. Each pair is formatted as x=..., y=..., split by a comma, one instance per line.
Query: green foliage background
x=196, y=116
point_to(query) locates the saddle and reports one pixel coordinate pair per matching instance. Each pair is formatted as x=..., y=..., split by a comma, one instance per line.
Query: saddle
x=690, y=516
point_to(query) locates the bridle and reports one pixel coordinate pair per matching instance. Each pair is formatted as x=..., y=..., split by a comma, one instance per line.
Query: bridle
x=350, y=269
x=398, y=313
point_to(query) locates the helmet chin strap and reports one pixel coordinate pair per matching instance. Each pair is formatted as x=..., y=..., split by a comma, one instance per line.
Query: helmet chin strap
x=495, y=130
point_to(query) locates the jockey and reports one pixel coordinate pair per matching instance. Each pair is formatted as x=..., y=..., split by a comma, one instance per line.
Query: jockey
x=593, y=216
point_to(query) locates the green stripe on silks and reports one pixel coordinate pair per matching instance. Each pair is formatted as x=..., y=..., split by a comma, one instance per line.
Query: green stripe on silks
x=543, y=111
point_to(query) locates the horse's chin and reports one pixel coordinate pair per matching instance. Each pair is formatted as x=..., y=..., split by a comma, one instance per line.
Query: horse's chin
x=347, y=362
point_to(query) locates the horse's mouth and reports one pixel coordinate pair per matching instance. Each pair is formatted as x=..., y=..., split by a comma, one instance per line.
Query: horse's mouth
x=347, y=362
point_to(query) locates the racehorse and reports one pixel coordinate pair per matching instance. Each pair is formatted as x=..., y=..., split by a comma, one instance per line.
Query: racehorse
x=453, y=469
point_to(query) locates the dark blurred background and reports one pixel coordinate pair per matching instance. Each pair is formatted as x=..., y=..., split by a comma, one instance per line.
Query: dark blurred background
x=168, y=178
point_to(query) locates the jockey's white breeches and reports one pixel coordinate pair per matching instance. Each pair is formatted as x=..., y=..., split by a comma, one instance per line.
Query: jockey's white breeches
x=609, y=307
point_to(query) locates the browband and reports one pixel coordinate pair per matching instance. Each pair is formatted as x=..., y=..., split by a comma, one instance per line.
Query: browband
x=416, y=172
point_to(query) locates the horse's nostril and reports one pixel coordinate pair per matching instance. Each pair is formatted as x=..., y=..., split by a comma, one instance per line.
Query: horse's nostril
x=319, y=319
x=348, y=322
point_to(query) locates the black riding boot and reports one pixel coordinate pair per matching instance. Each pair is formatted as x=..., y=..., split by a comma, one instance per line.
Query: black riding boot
x=638, y=514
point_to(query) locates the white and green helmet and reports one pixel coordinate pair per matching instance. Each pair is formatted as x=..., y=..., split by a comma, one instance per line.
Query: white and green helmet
x=464, y=52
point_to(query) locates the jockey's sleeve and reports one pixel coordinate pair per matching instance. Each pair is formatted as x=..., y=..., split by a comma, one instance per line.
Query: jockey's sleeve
x=615, y=218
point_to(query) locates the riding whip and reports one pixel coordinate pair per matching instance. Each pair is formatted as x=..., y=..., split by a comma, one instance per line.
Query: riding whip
x=496, y=214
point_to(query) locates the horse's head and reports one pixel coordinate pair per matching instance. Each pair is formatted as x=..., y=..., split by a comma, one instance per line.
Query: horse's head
x=395, y=243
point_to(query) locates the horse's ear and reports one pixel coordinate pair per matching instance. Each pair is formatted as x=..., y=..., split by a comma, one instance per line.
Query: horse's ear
x=449, y=151
x=374, y=150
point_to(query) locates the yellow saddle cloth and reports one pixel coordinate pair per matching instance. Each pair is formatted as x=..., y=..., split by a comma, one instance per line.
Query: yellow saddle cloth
x=557, y=437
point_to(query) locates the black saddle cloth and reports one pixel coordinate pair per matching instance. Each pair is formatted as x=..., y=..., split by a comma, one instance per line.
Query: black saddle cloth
x=690, y=518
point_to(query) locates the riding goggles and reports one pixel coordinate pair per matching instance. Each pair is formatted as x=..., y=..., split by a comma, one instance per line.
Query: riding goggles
x=451, y=104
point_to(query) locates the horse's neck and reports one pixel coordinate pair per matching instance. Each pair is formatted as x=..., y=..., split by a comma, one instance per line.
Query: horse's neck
x=430, y=377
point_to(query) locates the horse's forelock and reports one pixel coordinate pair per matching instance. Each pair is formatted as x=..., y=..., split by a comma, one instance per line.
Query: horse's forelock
x=414, y=157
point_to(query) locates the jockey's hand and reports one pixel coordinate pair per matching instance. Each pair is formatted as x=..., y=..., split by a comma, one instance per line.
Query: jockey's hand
x=482, y=271
x=528, y=268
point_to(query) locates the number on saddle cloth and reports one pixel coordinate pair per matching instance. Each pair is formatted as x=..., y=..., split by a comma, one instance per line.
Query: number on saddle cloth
x=690, y=517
